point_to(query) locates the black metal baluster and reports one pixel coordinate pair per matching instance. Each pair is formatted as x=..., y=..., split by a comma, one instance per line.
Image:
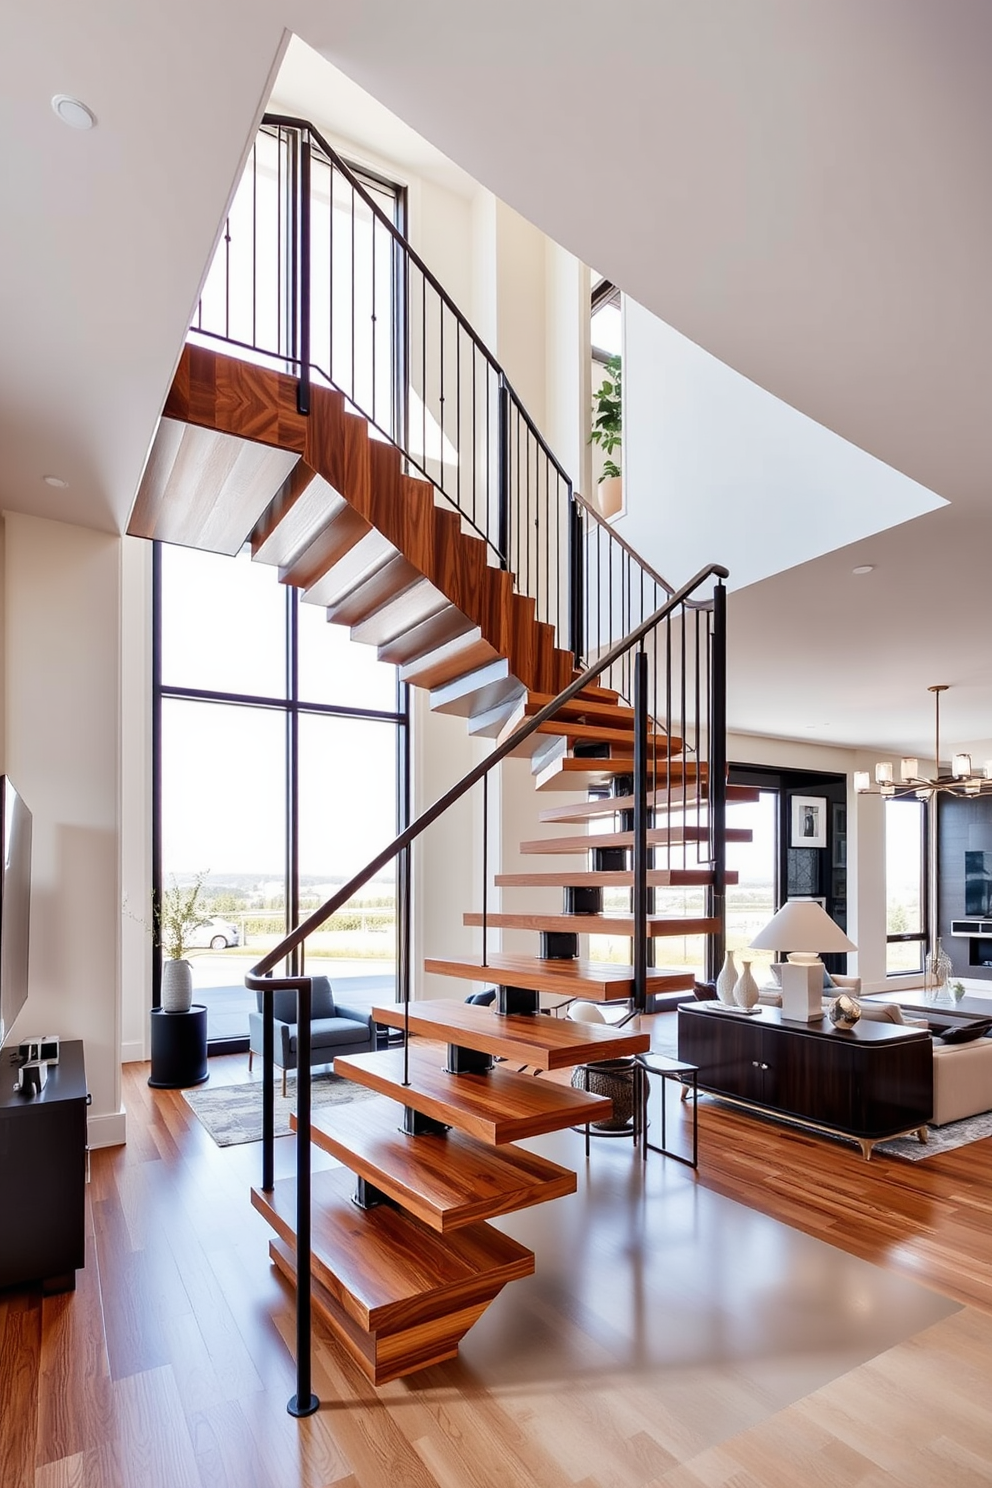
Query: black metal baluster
x=303, y=386
x=640, y=854
x=718, y=779
x=304, y=1402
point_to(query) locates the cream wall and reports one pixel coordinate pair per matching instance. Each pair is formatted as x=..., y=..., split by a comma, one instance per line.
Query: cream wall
x=62, y=608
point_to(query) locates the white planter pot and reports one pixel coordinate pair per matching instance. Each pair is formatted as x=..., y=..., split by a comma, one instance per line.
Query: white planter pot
x=609, y=496
x=177, y=986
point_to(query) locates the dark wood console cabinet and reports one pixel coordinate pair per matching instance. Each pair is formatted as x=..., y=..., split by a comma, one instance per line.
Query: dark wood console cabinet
x=871, y=1082
x=43, y=1174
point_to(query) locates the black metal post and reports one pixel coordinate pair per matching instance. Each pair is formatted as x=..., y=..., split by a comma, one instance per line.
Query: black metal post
x=268, y=1092
x=303, y=284
x=304, y=1402
x=503, y=475
x=576, y=583
x=717, y=784
x=640, y=896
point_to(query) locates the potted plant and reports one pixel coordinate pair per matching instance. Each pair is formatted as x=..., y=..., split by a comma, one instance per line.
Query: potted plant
x=607, y=432
x=177, y=915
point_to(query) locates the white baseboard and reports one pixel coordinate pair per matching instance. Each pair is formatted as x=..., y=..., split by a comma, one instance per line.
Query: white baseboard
x=107, y=1131
x=133, y=1053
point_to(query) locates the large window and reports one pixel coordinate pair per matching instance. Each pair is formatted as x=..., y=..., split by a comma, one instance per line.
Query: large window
x=905, y=885
x=280, y=773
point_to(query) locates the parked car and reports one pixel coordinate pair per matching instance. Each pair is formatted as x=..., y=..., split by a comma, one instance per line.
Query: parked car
x=216, y=933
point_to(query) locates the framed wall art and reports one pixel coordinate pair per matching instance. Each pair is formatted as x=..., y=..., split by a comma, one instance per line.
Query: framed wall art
x=809, y=821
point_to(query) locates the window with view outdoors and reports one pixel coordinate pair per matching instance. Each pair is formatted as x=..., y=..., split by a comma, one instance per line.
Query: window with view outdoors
x=905, y=885
x=280, y=775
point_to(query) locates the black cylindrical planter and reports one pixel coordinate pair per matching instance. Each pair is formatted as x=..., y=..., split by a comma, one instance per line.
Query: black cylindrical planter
x=179, y=1048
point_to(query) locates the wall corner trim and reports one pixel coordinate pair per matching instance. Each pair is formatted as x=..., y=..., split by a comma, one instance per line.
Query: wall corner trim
x=109, y=1130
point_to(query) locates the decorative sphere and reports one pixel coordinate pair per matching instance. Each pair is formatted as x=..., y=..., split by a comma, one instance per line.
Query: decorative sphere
x=844, y=1011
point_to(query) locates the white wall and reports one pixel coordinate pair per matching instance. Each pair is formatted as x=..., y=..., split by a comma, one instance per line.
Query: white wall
x=62, y=599
x=716, y=470
x=136, y=797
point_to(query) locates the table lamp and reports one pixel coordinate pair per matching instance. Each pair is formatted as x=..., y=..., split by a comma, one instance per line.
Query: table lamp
x=803, y=929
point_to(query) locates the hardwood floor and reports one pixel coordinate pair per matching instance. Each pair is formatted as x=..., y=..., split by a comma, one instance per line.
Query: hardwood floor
x=669, y=1335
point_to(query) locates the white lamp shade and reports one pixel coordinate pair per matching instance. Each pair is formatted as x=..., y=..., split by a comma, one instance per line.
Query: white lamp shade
x=862, y=781
x=961, y=766
x=883, y=772
x=909, y=769
x=802, y=925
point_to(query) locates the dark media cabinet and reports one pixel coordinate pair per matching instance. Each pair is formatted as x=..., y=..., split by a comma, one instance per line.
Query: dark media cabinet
x=43, y=1174
x=872, y=1082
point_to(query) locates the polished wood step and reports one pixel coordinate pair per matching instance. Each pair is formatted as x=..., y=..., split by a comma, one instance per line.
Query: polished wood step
x=660, y=800
x=596, y=924
x=445, y=1181
x=537, y=1040
x=397, y=1295
x=618, y=878
x=620, y=740
x=583, y=709
x=461, y=655
x=413, y=606
x=595, y=981
x=656, y=836
x=565, y=772
x=441, y=629
x=499, y=1107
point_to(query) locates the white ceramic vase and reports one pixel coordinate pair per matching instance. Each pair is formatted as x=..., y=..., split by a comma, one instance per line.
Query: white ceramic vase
x=746, y=988
x=727, y=980
x=177, y=986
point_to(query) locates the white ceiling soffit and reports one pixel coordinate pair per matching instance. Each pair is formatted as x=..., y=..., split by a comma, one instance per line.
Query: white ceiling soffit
x=106, y=233
x=306, y=87
x=716, y=470
x=802, y=189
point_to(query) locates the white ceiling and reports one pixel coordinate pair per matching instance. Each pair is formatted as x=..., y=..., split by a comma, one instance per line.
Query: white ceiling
x=801, y=188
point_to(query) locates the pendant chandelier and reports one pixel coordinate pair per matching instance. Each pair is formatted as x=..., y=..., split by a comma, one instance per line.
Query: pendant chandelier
x=961, y=781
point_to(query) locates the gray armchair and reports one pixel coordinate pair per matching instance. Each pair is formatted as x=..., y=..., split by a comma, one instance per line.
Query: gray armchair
x=334, y=1028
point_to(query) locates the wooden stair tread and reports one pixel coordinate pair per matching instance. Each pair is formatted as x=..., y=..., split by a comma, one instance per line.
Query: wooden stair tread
x=566, y=772
x=583, y=709
x=445, y=1181
x=657, y=836
x=499, y=1107
x=532, y=1039
x=598, y=981
x=597, y=924
x=656, y=801
x=620, y=739
x=616, y=878
x=384, y=1268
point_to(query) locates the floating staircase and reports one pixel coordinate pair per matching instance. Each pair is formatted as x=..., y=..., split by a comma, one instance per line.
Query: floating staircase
x=404, y=1261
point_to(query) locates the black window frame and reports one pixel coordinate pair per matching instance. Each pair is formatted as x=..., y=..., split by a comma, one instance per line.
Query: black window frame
x=292, y=706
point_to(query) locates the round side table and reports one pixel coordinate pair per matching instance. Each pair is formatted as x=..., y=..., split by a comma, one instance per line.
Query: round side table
x=179, y=1048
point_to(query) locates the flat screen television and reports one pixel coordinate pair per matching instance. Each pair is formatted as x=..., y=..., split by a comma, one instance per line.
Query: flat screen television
x=15, y=904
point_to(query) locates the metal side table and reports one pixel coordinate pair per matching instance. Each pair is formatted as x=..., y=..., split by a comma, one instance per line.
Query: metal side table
x=687, y=1076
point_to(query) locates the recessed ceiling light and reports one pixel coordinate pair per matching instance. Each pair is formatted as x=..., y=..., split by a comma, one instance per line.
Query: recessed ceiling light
x=72, y=112
x=56, y=481
x=864, y=568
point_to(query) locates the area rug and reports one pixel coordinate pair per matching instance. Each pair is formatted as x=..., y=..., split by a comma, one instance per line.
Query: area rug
x=940, y=1138
x=233, y=1113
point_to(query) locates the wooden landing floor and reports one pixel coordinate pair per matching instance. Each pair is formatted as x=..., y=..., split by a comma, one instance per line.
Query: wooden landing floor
x=669, y=1336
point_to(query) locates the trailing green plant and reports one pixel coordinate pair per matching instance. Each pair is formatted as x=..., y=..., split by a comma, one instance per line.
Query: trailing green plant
x=177, y=915
x=607, y=423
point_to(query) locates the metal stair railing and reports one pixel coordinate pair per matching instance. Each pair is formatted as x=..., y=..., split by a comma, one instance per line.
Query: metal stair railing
x=313, y=276
x=647, y=759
